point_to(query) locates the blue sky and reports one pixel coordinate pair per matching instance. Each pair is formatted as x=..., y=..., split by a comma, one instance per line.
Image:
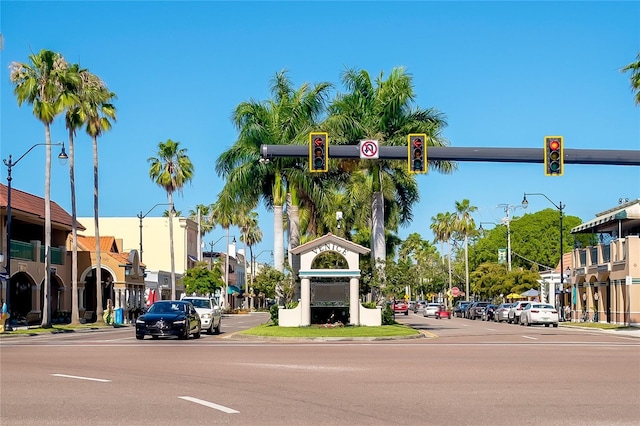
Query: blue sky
x=505, y=74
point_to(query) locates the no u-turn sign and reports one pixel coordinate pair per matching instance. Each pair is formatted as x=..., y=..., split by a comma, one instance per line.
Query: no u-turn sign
x=369, y=149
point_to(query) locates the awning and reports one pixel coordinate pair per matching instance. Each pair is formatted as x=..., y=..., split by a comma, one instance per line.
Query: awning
x=192, y=258
x=626, y=211
x=233, y=289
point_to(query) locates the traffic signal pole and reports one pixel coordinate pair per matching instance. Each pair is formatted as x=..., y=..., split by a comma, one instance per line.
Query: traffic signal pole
x=477, y=154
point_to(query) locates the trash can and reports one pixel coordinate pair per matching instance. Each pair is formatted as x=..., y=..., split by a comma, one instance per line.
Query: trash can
x=118, y=319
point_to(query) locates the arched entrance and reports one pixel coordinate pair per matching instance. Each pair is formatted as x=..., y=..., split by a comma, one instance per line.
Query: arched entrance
x=21, y=295
x=55, y=295
x=329, y=296
x=90, y=293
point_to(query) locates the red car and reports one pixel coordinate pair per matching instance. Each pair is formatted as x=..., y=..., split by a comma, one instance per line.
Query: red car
x=442, y=312
x=400, y=307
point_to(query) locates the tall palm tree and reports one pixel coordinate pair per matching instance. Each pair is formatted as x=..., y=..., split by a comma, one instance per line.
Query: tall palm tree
x=382, y=110
x=223, y=213
x=443, y=226
x=634, y=67
x=41, y=83
x=465, y=226
x=98, y=113
x=171, y=169
x=74, y=120
x=287, y=118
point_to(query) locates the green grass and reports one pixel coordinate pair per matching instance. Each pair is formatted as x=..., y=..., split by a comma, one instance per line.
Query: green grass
x=59, y=328
x=269, y=330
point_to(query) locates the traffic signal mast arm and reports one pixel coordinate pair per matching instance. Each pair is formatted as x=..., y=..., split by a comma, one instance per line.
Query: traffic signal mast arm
x=496, y=155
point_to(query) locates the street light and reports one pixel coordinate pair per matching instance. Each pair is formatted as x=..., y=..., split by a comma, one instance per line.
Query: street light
x=10, y=163
x=560, y=207
x=142, y=216
x=253, y=261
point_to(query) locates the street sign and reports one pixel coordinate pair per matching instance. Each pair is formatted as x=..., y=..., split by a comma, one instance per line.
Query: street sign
x=369, y=149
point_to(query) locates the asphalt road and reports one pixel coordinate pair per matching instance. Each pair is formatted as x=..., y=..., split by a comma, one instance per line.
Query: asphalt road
x=462, y=372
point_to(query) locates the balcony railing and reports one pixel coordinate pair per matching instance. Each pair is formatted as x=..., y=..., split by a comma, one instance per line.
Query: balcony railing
x=57, y=257
x=26, y=251
x=20, y=250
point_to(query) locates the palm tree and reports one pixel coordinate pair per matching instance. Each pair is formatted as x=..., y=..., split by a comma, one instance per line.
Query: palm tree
x=41, y=83
x=171, y=170
x=465, y=225
x=287, y=118
x=634, y=67
x=383, y=111
x=97, y=111
x=223, y=213
x=443, y=226
x=74, y=120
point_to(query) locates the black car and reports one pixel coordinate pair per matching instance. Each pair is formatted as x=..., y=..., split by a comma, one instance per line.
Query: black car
x=459, y=308
x=489, y=312
x=477, y=310
x=169, y=318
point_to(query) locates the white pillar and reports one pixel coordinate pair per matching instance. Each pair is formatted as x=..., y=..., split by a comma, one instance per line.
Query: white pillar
x=354, y=301
x=305, y=302
x=81, y=298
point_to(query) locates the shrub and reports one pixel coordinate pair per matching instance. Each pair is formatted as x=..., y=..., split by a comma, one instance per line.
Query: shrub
x=387, y=315
x=273, y=311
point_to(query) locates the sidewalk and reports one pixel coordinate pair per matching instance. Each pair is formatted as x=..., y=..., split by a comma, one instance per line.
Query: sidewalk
x=622, y=332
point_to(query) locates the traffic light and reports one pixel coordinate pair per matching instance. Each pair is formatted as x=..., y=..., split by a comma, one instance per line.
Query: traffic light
x=553, y=156
x=318, y=152
x=417, y=153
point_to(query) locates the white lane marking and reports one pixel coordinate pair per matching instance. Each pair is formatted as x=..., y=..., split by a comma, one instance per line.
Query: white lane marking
x=82, y=378
x=210, y=404
x=491, y=329
x=529, y=337
x=304, y=367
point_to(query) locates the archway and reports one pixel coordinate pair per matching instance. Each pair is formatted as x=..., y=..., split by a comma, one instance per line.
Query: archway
x=90, y=292
x=55, y=296
x=329, y=296
x=21, y=295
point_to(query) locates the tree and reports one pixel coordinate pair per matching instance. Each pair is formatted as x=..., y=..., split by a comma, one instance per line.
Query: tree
x=42, y=83
x=443, y=226
x=171, y=169
x=287, y=118
x=202, y=280
x=97, y=111
x=634, y=67
x=74, y=121
x=464, y=225
x=383, y=111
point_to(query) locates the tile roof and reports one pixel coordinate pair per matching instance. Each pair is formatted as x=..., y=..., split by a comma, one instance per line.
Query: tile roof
x=107, y=244
x=28, y=203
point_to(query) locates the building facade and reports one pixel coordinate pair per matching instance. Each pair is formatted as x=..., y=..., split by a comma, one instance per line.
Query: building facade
x=605, y=279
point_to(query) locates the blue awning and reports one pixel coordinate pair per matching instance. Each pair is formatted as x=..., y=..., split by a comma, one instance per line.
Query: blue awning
x=192, y=258
x=233, y=289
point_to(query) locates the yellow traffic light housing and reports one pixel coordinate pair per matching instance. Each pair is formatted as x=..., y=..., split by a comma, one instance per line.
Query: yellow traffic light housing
x=553, y=155
x=417, y=156
x=318, y=152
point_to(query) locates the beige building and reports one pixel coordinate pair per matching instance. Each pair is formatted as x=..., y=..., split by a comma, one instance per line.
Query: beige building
x=150, y=238
x=605, y=280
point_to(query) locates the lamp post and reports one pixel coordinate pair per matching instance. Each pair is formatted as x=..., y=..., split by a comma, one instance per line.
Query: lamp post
x=142, y=216
x=10, y=163
x=560, y=207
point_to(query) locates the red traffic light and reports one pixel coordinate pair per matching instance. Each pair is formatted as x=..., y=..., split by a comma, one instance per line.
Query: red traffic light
x=318, y=141
x=554, y=145
x=417, y=142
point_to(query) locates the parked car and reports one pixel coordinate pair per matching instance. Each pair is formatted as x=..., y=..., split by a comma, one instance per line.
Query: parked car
x=400, y=307
x=443, y=312
x=431, y=310
x=476, y=310
x=502, y=312
x=169, y=318
x=539, y=313
x=515, y=310
x=419, y=306
x=459, y=308
x=209, y=311
x=489, y=312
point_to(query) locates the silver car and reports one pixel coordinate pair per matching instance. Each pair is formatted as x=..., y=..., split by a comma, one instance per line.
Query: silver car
x=209, y=312
x=502, y=312
x=431, y=310
x=515, y=311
